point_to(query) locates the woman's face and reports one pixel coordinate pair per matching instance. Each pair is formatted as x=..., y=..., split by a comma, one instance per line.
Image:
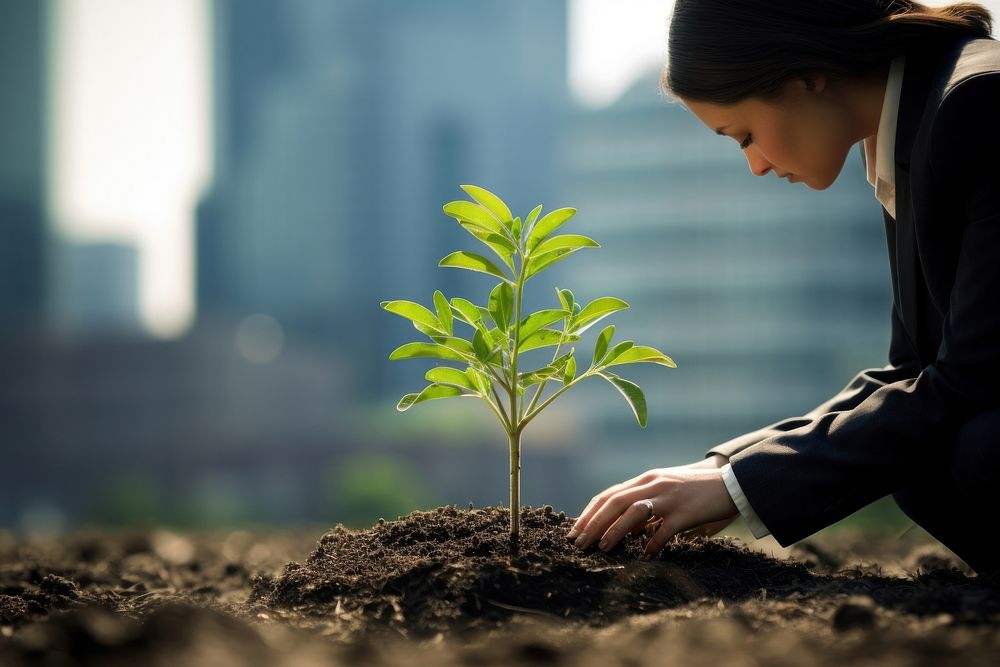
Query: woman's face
x=803, y=135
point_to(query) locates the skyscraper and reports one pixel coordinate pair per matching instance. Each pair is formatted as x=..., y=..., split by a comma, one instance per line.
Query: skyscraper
x=23, y=179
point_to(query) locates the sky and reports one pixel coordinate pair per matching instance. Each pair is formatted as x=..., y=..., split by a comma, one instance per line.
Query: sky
x=131, y=138
x=613, y=43
x=131, y=132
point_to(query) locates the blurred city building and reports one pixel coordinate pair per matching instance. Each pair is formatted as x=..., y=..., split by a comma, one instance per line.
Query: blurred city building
x=94, y=289
x=769, y=296
x=24, y=235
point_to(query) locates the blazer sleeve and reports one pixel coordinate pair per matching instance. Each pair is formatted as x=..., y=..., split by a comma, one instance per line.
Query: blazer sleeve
x=873, y=437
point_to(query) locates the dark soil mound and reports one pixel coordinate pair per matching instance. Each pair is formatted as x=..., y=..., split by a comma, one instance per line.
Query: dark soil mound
x=452, y=570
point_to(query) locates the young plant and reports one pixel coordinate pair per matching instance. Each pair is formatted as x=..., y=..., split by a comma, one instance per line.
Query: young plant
x=490, y=356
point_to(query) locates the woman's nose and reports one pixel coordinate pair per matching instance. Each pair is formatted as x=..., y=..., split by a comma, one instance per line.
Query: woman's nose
x=759, y=166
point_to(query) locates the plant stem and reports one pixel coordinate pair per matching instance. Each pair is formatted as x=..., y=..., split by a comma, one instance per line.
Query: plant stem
x=501, y=412
x=515, y=432
x=496, y=376
x=515, y=489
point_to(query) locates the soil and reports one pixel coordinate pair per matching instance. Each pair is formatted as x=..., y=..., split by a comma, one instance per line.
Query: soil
x=442, y=588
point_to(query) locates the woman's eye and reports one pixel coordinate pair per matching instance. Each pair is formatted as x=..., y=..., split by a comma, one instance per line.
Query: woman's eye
x=746, y=142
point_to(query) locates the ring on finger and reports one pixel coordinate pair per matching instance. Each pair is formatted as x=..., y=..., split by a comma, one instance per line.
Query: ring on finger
x=649, y=505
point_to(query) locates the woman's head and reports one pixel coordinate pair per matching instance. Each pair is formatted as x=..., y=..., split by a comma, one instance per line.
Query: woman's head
x=724, y=51
x=798, y=82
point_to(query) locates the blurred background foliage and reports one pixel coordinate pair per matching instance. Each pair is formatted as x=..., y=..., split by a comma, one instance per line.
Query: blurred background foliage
x=203, y=202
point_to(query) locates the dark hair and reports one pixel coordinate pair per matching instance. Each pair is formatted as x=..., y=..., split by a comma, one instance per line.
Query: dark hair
x=724, y=51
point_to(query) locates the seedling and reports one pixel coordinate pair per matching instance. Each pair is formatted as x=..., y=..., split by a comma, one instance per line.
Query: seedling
x=499, y=333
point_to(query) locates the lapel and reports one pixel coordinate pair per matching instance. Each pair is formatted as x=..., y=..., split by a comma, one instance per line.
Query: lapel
x=906, y=264
x=909, y=275
x=926, y=76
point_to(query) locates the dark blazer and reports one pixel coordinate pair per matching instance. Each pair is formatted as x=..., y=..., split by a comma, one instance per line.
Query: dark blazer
x=889, y=424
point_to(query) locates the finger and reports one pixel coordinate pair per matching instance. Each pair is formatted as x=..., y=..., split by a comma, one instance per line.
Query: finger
x=653, y=526
x=634, y=517
x=592, y=507
x=599, y=501
x=580, y=525
x=645, y=526
x=660, y=538
x=609, y=512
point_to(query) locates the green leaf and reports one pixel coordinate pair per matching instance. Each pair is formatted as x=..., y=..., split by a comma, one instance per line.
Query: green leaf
x=560, y=363
x=500, y=345
x=500, y=245
x=535, y=212
x=564, y=241
x=490, y=201
x=498, y=337
x=548, y=370
x=468, y=312
x=542, y=318
x=515, y=229
x=427, y=331
x=633, y=396
x=603, y=340
x=566, y=298
x=532, y=379
x=415, y=312
x=570, y=371
x=529, y=222
x=595, y=311
x=424, y=351
x=452, y=376
x=444, y=314
x=546, y=374
x=643, y=354
x=537, y=264
x=429, y=393
x=460, y=345
x=473, y=262
x=544, y=338
x=501, y=305
x=551, y=373
x=479, y=379
x=548, y=224
x=615, y=351
x=481, y=345
x=468, y=212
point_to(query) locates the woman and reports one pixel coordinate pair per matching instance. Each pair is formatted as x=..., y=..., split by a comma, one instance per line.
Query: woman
x=797, y=84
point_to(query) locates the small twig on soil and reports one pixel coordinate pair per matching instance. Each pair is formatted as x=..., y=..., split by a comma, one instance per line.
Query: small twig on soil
x=526, y=610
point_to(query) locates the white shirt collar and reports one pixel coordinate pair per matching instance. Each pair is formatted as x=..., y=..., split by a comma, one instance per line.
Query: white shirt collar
x=880, y=150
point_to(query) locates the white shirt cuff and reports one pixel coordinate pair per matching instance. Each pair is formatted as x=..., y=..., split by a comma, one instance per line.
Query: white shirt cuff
x=756, y=526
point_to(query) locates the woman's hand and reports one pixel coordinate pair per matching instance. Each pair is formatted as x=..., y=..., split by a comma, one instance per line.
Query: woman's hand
x=685, y=497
